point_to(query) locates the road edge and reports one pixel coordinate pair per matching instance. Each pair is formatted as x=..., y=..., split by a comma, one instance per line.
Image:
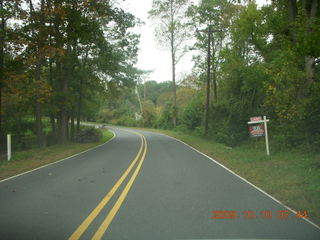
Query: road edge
x=243, y=179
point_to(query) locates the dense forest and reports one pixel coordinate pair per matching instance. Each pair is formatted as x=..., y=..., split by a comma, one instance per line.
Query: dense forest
x=63, y=61
x=59, y=60
x=248, y=61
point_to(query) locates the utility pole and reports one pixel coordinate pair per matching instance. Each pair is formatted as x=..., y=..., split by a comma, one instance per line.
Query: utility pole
x=206, y=118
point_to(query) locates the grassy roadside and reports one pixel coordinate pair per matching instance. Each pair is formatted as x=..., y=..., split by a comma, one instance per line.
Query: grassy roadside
x=27, y=160
x=291, y=176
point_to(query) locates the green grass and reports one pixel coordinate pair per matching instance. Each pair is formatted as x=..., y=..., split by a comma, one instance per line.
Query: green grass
x=292, y=176
x=23, y=161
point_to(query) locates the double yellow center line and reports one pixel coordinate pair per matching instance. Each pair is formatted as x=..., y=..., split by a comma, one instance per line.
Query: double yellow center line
x=106, y=222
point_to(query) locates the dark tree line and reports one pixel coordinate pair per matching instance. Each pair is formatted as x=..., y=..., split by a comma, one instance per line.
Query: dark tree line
x=58, y=58
x=249, y=61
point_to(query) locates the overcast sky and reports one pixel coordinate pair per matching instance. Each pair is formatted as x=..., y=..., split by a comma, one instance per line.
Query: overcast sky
x=151, y=55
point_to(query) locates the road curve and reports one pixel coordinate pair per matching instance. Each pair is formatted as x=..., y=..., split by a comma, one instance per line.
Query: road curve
x=142, y=185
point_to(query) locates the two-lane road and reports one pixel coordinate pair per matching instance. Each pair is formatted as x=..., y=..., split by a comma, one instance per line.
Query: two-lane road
x=142, y=185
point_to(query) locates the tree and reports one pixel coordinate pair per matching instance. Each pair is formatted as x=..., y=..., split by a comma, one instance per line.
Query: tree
x=303, y=19
x=8, y=9
x=56, y=61
x=171, y=29
x=213, y=17
x=36, y=54
x=153, y=89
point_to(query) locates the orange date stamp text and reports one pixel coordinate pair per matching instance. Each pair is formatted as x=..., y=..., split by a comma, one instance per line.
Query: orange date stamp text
x=250, y=214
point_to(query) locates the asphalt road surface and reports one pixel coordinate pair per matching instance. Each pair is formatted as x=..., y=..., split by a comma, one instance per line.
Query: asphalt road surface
x=142, y=185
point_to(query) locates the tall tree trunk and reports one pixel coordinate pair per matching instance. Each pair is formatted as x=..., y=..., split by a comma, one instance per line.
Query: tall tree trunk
x=38, y=112
x=292, y=13
x=174, y=117
x=52, y=115
x=64, y=90
x=173, y=63
x=80, y=94
x=39, y=59
x=2, y=42
x=63, y=112
x=310, y=70
x=62, y=83
x=309, y=60
x=214, y=69
x=72, y=125
x=206, y=118
x=68, y=127
x=79, y=115
x=58, y=126
x=310, y=74
x=79, y=107
x=215, y=87
x=53, y=127
x=39, y=127
x=63, y=126
x=64, y=87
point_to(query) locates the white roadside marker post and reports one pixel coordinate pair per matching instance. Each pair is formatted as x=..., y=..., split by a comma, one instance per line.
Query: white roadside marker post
x=9, y=146
x=256, y=120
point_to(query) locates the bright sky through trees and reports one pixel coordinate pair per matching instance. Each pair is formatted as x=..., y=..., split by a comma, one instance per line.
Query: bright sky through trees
x=151, y=55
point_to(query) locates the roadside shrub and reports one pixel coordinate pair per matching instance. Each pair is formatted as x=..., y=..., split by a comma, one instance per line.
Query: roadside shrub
x=226, y=126
x=192, y=113
x=89, y=134
x=105, y=115
x=199, y=131
x=23, y=142
x=229, y=137
x=149, y=114
x=124, y=121
x=51, y=138
x=21, y=127
x=182, y=128
x=165, y=119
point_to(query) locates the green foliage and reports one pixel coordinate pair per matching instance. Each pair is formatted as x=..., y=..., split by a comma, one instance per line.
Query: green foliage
x=89, y=134
x=120, y=109
x=153, y=89
x=263, y=63
x=105, y=115
x=124, y=121
x=192, y=114
x=285, y=82
x=172, y=30
x=148, y=114
x=165, y=119
x=62, y=69
x=226, y=126
x=182, y=128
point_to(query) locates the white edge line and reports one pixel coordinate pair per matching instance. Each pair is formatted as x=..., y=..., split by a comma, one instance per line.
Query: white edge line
x=49, y=164
x=243, y=179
